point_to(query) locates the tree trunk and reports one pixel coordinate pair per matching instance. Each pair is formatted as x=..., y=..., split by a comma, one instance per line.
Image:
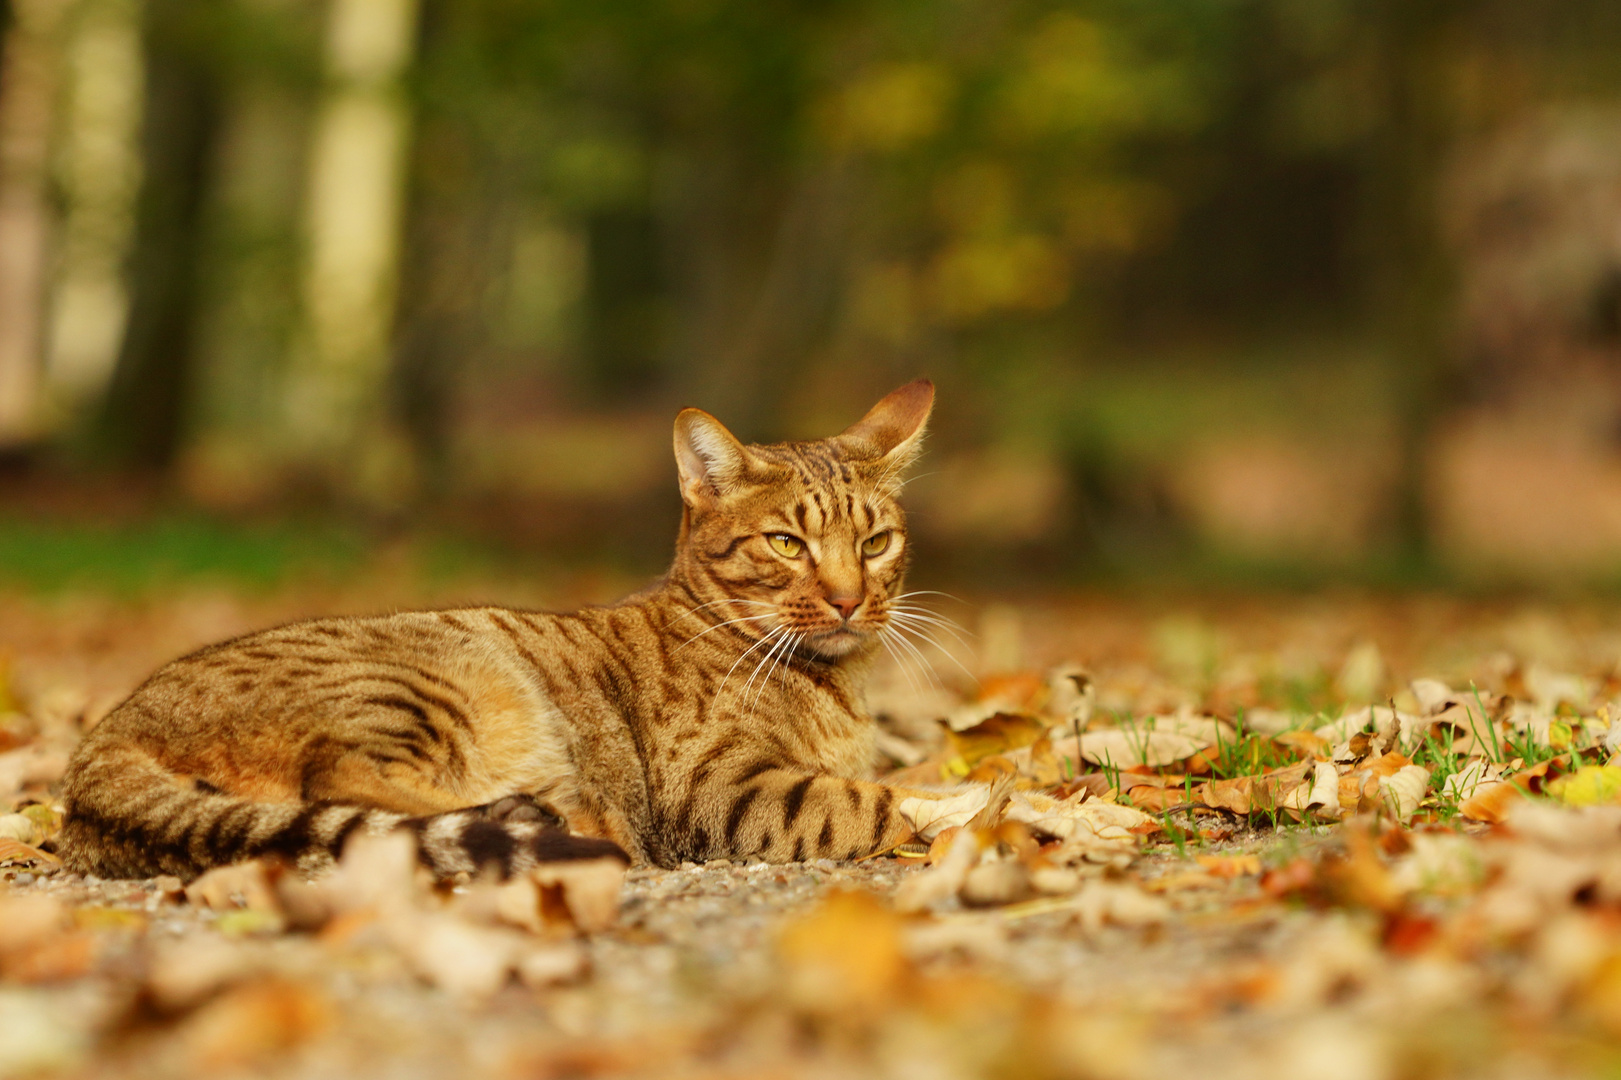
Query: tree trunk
x=144, y=418
x=29, y=69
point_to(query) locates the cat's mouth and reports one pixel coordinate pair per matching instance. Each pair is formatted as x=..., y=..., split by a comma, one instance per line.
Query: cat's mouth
x=838, y=641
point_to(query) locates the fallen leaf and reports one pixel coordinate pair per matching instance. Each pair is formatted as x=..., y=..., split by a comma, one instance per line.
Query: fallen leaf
x=1305, y=743
x=1491, y=801
x=846, y=957
x=240, y=885
x=20, y=828
x=996, y=734
x=14, y=853
x=252, y=1022
x=1319, y=797
x=929, y=816
x=1404, y=789
x=943, y=880
x=1590, y=785
x=995, y=882
x=1466, y=781
x=1230, y=866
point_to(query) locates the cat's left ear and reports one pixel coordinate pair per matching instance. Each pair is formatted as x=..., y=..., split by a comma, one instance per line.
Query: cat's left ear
x=710, y=460
x=892, y=430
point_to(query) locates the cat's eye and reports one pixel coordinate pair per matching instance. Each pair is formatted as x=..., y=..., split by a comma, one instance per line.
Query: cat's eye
x=783, y=544
x=876, y=544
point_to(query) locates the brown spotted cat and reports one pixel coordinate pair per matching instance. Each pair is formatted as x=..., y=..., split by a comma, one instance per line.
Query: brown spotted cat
x=717, y=713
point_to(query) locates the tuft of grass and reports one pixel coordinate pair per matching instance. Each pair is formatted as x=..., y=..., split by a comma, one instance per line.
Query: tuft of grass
x=135, y=557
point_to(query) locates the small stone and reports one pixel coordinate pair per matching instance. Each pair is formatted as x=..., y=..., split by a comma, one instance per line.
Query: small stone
x=23, y=879
x=718, y=864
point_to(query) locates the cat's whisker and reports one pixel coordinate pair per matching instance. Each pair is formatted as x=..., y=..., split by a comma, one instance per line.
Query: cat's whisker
x=903, y=628
x=767, y=662
x=925, y=592
x=904, y=613
x=722, y=602
x=717, y=626
x=781, y=662
x=904, y=669
x=915, y=658
x=725, y=600
x=774, y=632
x=787, y=666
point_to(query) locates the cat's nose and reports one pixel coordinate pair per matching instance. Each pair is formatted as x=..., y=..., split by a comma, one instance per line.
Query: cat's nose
x=845, y=605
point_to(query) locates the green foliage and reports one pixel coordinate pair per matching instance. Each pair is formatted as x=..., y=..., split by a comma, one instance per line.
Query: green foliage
x=139, y=557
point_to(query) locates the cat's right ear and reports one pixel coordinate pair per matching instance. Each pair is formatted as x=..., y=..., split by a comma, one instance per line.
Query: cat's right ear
x=708, y=458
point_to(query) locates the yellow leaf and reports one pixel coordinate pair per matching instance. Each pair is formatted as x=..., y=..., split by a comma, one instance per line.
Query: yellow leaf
x=1590, y=785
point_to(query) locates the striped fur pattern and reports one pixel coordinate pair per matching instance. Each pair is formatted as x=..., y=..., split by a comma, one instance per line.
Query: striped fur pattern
x=718, y=713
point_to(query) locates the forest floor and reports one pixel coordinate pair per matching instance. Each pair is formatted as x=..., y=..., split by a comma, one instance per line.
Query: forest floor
x=1205, y=856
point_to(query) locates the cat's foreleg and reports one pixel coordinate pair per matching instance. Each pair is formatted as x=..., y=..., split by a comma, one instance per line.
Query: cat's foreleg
x=787, y=815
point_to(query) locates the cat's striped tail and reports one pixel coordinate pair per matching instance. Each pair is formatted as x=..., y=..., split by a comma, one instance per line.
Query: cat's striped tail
x=129, y=817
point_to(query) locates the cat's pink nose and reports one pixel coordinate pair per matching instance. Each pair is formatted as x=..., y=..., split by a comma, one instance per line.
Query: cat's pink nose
x=845, y=605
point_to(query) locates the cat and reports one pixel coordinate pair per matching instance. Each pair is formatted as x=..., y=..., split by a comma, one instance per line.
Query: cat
x=715, y=714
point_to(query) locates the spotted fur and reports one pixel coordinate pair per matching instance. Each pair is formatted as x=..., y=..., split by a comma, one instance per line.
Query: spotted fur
x=716, y=713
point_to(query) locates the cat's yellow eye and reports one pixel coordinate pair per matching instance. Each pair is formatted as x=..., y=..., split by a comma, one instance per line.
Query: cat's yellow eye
x=876, y=544
x=783, y=544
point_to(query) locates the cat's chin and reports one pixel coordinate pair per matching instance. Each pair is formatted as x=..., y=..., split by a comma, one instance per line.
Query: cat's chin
x=838, y=644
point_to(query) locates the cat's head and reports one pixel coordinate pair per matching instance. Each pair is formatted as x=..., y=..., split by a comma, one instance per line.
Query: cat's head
x=806, y=540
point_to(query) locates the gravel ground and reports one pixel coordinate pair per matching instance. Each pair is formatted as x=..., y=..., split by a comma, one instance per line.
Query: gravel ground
x=759, y=970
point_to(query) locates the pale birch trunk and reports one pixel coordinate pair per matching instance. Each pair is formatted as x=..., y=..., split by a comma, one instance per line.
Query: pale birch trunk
x=98, y=174
x=337, y=385
x=30, y=71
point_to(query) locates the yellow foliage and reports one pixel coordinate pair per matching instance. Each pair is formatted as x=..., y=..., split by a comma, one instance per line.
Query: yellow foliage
x=889, y=108
x=1590, y=785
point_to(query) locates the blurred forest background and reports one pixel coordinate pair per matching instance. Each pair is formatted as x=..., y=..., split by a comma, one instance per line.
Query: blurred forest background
x=1319, y=289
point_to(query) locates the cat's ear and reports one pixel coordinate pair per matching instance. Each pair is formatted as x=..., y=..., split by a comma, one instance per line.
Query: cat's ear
x=708, y=458
x=892, y=430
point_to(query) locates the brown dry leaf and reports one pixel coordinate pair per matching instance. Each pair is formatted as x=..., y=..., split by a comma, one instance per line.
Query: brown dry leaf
x=1023, y=689
x=13, y=853
x=991, y=769
x=1230, y=866
x=944, y=878
x=1044, y=768
x=468, y=961
x=1235, y=795
x=1305, y=743
x=1154, y=743
x=53, y=958
x=1389, y=764
x=1117, y=903
x=185, y=972
x=36, y=944
x=941, y=844
x=1157, y=800
x=1491, y=802
x=252, y=1022
x=1251, y=794
x=588, y=890
x=245, y=885
x=996, y=881
x=846, y=957
x=995, y=734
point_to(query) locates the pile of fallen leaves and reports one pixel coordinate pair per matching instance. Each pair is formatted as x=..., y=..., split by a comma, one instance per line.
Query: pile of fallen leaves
x=1119, y=872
